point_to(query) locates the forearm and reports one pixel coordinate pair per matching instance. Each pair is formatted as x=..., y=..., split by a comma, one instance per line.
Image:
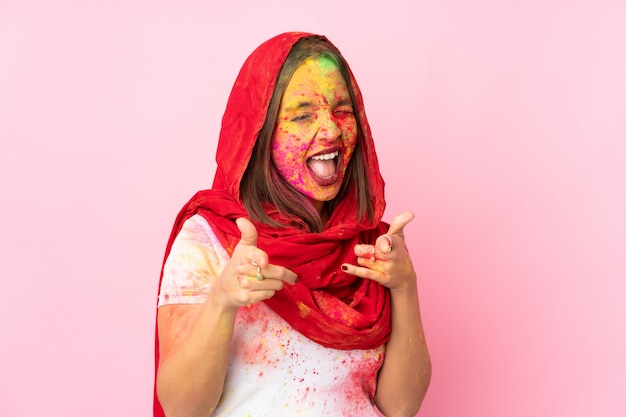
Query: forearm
x=191, y=378
x=405, y=374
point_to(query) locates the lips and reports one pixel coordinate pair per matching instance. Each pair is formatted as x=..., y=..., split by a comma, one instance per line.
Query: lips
x=324, y=167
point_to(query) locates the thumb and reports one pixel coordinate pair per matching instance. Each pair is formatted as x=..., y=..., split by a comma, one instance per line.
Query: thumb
x=397, y=224
x=249, y=234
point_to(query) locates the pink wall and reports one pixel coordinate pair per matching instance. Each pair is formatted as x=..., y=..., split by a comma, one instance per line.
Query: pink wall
x=499, y=123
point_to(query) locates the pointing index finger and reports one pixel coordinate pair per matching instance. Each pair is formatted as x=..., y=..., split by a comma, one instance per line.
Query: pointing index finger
x=399, y=222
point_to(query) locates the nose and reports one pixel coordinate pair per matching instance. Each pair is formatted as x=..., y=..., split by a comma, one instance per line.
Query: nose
x=328, y=129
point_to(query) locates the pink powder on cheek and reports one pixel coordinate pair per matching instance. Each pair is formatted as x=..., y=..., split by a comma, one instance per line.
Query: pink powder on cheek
x=288, y=153
x=287, y=146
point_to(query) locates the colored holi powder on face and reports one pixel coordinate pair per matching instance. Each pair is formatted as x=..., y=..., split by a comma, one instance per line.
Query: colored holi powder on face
x=326, y=63
x=291, y=172
x=315, y=134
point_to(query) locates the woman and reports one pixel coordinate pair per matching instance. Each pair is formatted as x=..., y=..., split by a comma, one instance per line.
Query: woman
x=281, y=284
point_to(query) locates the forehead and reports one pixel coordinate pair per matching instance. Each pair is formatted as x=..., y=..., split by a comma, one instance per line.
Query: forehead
x=317, y=75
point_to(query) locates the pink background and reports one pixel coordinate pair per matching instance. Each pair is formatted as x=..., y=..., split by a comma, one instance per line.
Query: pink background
x=501, y=124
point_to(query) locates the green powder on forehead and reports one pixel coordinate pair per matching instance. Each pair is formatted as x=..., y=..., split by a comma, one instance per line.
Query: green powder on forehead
x=326, y=62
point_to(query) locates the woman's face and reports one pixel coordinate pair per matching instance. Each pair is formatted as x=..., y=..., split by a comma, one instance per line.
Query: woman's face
x=316, y=131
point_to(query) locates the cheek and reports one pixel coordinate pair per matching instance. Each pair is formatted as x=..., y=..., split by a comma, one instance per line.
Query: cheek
x=282, y=141
x=349, y=134
x=287, y=150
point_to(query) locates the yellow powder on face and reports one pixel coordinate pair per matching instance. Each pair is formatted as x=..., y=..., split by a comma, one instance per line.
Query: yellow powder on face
x=316, y=99
x=320, y=70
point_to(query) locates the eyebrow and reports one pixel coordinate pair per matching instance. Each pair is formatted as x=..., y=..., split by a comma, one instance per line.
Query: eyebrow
x=308, y=104
x=344, y=102
x=299, y=106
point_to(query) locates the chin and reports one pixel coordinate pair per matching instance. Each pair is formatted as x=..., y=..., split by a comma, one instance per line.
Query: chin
x=323, y=197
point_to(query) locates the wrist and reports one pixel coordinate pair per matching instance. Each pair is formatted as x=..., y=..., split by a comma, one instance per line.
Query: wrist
x=409, y=285
x=218, y=303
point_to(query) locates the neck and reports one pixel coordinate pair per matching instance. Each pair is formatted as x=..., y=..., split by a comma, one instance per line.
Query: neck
x=320, y=206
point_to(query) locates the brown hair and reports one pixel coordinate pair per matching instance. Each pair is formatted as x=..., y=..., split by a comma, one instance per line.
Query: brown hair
x=262, y=183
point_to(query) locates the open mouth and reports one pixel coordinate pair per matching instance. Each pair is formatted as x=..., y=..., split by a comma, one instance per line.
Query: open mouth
x=323, y=167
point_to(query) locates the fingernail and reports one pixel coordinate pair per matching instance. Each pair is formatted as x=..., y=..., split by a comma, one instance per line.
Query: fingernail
x=344, y=268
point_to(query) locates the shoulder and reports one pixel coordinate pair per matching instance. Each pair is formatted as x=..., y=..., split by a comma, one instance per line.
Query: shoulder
x=197, y=234
x=195, y=261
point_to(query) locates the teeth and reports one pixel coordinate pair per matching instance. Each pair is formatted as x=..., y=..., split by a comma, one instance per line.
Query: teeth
x=326, y=156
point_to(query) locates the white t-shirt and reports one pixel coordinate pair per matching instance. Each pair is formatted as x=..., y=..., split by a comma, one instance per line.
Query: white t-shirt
x=273, y=369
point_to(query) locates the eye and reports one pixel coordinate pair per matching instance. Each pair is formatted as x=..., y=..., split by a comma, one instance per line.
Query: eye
x=301, y=117
x=343, y=111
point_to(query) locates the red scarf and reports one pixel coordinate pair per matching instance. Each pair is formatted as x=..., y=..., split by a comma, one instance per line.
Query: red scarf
x=326, y=305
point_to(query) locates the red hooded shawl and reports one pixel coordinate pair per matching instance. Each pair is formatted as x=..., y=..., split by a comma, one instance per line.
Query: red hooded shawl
x=330, y=307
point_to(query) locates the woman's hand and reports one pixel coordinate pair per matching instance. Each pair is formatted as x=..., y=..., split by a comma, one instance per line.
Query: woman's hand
x=405, y=375
x=195, y=339
x=387, y=261
x=249, y=277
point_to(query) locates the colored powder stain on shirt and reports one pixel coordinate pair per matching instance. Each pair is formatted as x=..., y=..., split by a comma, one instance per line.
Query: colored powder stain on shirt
x=271, y=364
